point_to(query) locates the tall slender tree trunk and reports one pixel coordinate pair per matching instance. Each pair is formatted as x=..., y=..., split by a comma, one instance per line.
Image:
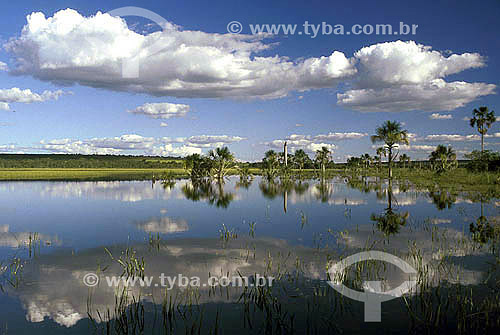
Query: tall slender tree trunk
x=482, y=143
x=389, y=195
x=390, y=162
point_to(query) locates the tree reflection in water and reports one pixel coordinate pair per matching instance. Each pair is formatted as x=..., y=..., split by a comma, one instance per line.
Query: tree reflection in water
x=324, y=190
x=204, y=189
x=270, y=188
x=482, y=230
x=391, y=221
x=443, y=199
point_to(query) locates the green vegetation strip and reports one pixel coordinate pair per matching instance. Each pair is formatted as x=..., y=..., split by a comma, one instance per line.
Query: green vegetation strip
x=86, y=174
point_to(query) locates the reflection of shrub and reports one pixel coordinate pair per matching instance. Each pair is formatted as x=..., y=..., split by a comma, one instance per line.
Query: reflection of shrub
x=486, y=161
x=482, y=231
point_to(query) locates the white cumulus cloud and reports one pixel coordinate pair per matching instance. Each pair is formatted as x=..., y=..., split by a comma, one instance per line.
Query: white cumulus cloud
x=71, y=48
x=25, y=96
x=161, y=110
x=405, y=76
x=436, y=95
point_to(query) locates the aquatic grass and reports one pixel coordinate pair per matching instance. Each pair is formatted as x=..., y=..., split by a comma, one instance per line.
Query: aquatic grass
x=131, y=264
x=226, y=235
x=154, y=241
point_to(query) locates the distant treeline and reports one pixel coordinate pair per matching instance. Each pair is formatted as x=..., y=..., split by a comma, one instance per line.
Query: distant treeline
x=69, y=161
x=87, y=161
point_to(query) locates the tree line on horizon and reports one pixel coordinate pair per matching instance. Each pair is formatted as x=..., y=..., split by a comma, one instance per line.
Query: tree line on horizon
x=218, y=162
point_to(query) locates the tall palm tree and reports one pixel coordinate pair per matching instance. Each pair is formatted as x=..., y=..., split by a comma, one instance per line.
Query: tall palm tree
x=380, y=152
x=443, y=158
x=323, y=157
x=391, y=134
x=483, y=119
x=300, y=159
x=222, y=160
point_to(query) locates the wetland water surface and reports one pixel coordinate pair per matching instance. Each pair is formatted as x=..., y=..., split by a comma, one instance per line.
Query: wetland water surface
x=53, y=233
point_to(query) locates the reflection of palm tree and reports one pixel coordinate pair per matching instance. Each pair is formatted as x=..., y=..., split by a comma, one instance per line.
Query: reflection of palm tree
x=220, y=198
x=203, y=189
x=269, y=188
x=324, y=190
x=481, y=230
x=168, y=184
x=361, y=185
x=391, y=221
x=244, y=183
x=300, y=187
x=443, y=199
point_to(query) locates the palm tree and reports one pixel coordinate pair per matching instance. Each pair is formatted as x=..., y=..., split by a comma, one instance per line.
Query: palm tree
x=366, y=159
x=380, y=152
x=323, y=157
x=222, y=160
x=198, y=166
x=392, y=135
x=443, y=158
x=483, y=119
x=300, y=159
x=403, y=159
x=270, y=164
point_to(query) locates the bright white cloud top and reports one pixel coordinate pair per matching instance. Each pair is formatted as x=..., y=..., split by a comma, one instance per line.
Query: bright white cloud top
x=392, y=76
x=162, y=110
x=68, y=47
x=12, y=95
x=437, y=116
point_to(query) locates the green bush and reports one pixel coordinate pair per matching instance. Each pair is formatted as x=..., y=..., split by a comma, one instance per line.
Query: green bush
x=483, y=161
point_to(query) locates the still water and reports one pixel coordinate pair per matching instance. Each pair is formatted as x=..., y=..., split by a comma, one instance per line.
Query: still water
x=53, y=233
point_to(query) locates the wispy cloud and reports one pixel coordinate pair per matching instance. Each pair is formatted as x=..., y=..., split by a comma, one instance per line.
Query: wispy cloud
x=131, y=144
x=437, y=116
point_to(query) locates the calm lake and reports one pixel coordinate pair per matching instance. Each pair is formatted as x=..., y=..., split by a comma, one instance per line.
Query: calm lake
x=54, y=233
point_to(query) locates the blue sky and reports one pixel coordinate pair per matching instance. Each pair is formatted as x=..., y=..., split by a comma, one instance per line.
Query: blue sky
x=207, y=88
